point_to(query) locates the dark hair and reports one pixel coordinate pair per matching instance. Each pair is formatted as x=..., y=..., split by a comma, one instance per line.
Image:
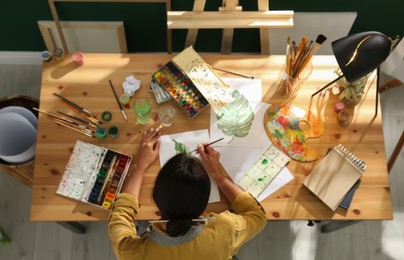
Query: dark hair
x=181, y=192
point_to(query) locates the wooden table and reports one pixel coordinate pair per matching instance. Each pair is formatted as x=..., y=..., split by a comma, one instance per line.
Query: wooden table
x=88, y=86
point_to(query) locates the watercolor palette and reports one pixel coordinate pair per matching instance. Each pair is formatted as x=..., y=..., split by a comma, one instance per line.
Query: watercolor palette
x=94, y=174
x=159, y=92
x=289, y=127
x=181, y=88
x=191, y=82
x=264, y=170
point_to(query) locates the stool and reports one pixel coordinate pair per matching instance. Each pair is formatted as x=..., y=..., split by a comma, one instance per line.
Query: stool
x=22, y=172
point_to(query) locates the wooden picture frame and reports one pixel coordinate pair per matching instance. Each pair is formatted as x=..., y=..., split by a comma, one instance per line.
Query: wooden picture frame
x=61, y=33
x=97, y=37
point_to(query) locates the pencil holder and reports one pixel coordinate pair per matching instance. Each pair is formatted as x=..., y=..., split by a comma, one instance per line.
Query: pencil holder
x=289, y=82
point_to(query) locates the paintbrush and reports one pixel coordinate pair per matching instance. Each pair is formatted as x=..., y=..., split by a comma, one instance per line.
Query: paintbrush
x=117, y=100
x=61, y=119
x=288, y=56
x=75, y=105
x=79, y=119
x=206, y=145
x=299, y=52
x=235, y=73
x=90, y=118
x=319, y=41
x=79, y=130
x=78, y=127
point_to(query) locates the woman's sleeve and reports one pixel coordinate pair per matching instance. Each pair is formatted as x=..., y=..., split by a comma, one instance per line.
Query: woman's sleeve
x=249, y=219
x=121, y=229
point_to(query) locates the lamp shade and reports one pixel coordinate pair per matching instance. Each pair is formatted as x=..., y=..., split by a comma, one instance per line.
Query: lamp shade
x=359, y=54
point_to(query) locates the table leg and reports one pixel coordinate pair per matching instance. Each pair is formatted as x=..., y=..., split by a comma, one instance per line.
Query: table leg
x=73, y=226
x=336, y=225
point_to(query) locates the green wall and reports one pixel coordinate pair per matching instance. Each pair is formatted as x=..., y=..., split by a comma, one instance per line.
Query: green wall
x=145, y=23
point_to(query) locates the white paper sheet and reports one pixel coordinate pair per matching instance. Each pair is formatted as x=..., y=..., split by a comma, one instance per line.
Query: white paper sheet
x=191, y=140
x=394, y=64
x=252, y=91
x=238, y=160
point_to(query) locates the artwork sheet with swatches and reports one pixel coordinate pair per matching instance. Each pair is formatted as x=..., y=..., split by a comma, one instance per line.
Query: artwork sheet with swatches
x=94, y=174
x=264, y=171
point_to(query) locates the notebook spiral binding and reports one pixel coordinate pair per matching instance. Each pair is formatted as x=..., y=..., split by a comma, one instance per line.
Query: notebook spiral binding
x=361, y=165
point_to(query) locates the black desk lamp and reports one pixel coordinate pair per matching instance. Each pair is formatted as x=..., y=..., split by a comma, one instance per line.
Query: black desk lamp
x=358, y=55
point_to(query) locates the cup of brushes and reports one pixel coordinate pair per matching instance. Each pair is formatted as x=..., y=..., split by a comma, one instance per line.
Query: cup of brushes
x=298, y=66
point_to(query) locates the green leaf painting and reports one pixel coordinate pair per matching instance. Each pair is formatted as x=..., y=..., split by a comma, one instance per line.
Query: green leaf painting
x=236, y=118
x=180, y=147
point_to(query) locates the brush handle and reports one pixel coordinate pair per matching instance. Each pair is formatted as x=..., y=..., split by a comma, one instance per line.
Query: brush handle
x=206, y=145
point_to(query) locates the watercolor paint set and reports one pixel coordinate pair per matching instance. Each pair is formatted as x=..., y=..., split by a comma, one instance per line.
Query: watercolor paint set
x=192, y=83
x=159, y=92
x=94, y=174
x=181, y=88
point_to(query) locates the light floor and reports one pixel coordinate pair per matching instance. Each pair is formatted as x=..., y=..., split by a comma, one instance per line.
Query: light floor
x=281, y=240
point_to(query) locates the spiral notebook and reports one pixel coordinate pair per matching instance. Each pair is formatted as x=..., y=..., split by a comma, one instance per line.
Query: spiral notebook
x=335, y=175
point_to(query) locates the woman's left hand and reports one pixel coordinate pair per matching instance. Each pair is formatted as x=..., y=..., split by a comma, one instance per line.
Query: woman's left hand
x=148, y=149
x=146, y=154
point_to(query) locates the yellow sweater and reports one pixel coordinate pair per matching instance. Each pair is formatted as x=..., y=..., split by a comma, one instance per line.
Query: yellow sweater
x=219, y=239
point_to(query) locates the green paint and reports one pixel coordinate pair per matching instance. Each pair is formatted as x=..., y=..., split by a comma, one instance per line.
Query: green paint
x=236, y=118
x=264, y=162
x=180, y=147
x=278, y=134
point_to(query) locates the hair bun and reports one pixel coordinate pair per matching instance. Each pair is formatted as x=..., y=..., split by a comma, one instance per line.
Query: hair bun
x=178, y=227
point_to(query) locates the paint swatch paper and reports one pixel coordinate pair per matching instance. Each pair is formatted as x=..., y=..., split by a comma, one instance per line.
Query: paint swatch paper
x=238, y=160
x=264, y=170
x=189, y=140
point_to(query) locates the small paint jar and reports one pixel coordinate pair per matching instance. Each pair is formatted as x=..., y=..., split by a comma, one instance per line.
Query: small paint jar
x=344, y=118
x=113, y=131
x=78, y=58
x=59, y=54
x=124, y=99
x=339, y=106
x=106, y=116
x=101, y=132
x=46, y=56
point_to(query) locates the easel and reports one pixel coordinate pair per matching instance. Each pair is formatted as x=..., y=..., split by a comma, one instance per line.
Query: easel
x=229, y=17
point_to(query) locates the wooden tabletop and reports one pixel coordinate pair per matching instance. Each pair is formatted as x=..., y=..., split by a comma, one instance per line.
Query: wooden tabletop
x=88, y=86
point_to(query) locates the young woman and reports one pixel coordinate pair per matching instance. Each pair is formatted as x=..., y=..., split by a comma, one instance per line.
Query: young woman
x=181, y=194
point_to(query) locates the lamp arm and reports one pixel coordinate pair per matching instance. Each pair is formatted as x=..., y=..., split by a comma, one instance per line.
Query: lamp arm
x=335, y=80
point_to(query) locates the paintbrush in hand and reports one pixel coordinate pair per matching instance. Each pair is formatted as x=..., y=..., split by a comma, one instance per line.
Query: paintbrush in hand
x=206, y=145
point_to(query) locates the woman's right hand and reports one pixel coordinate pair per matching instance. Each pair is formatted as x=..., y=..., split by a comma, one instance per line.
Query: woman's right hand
x=210, y=159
